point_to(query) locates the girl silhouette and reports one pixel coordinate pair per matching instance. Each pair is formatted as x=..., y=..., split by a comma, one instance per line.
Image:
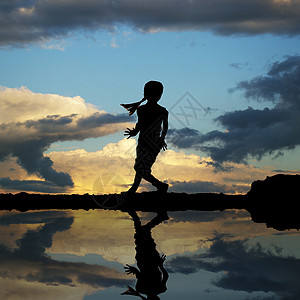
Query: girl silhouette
x=152, y=127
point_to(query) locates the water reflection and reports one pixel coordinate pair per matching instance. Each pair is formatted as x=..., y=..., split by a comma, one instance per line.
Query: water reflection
x=151, y=275
x=29, y=272
x=80, y=255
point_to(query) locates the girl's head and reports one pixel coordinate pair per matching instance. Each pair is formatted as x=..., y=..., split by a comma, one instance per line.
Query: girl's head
x=153, y=90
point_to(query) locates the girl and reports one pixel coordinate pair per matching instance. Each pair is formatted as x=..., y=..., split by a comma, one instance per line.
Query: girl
x=152, y=127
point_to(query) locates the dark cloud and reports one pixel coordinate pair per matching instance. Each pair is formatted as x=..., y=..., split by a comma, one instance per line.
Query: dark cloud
x=255, y=132
x=184, y=138
x=238, y=66
x=28, y=140
x=29, y=261
x=31, y=186
x=30, y=157
x=97, y=119
x=245, y=268
x=37, y=20
x=199, y=187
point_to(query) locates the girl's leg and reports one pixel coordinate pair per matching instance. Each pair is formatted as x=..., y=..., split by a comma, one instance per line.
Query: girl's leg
x=161, y=186
x=159, y=218
x=136, y=219
x=136, y=183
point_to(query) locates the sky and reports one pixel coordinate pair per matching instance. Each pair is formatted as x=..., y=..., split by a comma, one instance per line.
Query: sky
x=230, y=70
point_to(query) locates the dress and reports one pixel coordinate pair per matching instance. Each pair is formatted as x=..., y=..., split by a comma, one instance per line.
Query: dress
x=150, y=121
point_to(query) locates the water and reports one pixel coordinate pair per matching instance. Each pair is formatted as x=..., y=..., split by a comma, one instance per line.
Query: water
x=81, y=254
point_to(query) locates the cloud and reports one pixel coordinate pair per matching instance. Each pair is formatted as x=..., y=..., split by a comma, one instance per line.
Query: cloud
x=245, y=268
x=199, y=187
x=110, y=170
x=31, y=186
x=255, y=132
x=31, y=122
x=238, y=66
x=40, y=20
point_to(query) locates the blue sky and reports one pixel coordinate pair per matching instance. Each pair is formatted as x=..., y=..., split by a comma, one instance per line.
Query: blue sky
x=202, y=63
x=73, y=49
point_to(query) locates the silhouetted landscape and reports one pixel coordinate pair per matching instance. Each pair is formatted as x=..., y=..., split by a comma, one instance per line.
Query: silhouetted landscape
x=272, y=201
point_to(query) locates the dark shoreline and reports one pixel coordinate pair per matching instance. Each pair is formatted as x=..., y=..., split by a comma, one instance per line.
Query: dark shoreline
x=273, y=201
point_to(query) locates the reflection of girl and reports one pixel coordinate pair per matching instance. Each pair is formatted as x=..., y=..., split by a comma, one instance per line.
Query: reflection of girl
x=151, y=275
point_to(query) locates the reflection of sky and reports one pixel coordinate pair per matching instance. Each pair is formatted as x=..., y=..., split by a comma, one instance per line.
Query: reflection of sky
x=81, y=254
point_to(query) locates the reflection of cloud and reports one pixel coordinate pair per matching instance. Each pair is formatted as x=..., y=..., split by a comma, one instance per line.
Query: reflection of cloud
x=31, y=264
x=112, y=238
x=226, y=217
x=37, y=21
x=33, y=244
x=245, y=268
x=31, y=217
x=110, y=234
x=185, y=231
x=255, y=132
x=32, y=122
x=24, y=290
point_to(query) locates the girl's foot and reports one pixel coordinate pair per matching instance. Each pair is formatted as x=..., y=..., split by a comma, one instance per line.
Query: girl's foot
x=162, y=187
x=163, y=215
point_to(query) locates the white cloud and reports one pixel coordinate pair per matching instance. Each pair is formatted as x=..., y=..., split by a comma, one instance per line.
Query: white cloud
x=111, y=170
x=21, y=104
x=31, y=122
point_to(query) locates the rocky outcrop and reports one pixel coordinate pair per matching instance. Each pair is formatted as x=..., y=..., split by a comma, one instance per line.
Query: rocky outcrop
x=275, y=201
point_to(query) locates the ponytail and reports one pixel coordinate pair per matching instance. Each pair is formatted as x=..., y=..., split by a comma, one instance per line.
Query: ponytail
x=132, y=107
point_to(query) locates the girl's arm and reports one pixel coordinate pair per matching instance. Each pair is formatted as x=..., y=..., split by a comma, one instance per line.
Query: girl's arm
x=134, y=131
x=165, y=125
x=165, y=275
x=163, y=270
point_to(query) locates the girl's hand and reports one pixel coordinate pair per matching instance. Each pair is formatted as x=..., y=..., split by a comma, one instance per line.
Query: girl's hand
x=130, y=133
x=163, y=145
x=162, y=258
x=131, y=270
